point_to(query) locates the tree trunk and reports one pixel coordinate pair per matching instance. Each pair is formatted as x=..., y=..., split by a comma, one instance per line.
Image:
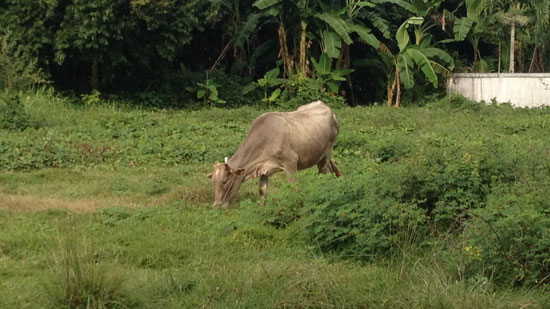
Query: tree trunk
x=94, y=79
x=345, y=63
x=542, y=58
x=475, y=59
x=537, y=61
x=398, y=92
x=512, y=46
x=520, y=57
x=499, y=55
x=390, y=89
x=221, y=56
x=533, y=60
x=283, y=52
x=303, y=50
x=475, y=45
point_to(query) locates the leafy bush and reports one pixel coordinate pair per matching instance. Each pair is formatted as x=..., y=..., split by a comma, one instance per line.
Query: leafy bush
x=230, y=88
x=18, y=69
x=354, y=218
x=300, y=90
x=207, y=91
x=457, y=101
x=12, y=113
x=508, y=239
x=269, y=82
x=281, y=209
x=350, y=216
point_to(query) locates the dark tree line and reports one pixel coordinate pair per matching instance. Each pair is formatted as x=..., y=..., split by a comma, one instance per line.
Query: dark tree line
x=216, y=50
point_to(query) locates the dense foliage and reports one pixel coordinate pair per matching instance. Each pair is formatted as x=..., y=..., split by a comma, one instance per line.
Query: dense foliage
x=179, y=51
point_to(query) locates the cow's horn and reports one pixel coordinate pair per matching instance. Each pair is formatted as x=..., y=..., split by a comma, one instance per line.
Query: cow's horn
x=225, y=160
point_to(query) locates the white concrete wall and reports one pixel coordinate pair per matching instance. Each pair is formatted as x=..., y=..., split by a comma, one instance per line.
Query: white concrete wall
x=518, y=89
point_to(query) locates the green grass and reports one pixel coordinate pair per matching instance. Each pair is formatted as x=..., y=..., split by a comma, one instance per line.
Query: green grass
x=90, y=230
x=173, y=253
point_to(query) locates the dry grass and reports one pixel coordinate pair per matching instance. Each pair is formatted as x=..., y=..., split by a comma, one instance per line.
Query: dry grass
x=21, y=203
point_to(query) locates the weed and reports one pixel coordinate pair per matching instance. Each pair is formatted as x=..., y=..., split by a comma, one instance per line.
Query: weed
x=80, y=279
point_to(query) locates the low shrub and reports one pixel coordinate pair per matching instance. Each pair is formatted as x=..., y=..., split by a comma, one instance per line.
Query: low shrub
x=12, y=113
x=457, y=101
x=508, y=240
x=352, y=217
x=230, y=88
x=300, y=90
x=349, y=216
x=18, y=67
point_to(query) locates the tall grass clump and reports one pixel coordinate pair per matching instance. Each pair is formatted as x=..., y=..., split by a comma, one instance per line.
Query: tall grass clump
x=79, y=279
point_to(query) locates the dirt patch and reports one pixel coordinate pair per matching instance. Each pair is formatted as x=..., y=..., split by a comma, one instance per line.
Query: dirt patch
x=197, y=194
x=22, y=203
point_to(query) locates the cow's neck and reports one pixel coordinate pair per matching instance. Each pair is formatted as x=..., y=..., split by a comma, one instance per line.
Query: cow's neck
x=249, y=156
x=250, y=165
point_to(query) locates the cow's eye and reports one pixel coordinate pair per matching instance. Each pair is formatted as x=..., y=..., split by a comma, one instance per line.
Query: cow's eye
x=224, y=181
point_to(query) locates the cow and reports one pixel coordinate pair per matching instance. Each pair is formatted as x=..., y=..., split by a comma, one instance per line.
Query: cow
x=279, y=141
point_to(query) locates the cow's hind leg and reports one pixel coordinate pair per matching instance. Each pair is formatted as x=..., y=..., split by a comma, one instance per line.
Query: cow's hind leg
x=263, y=188
x=335, y=169
x=326, y=165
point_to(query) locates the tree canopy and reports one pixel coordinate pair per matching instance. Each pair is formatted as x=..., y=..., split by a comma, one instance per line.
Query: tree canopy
x=360, y=50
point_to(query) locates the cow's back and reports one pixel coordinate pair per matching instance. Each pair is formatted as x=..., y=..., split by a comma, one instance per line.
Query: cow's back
x=277, y=139
x=314, y=129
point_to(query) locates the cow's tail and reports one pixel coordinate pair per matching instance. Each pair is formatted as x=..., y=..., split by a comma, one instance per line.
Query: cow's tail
x=334, y=169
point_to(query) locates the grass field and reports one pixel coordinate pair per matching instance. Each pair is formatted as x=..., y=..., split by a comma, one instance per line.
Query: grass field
x=129, y=226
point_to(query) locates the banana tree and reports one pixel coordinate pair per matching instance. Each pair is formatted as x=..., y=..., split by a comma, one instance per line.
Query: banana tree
x=470, y=27
x=270, y=80
x=240, y=32
x=412, y=58
x=341, y=22
x=329, y=77
x=293, y=15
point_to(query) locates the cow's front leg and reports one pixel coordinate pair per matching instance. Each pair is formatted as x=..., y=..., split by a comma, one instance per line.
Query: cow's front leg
x=263, y=188
x=291, y=173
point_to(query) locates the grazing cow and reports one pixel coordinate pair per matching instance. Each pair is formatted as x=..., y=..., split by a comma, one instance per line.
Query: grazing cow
x=279, y=142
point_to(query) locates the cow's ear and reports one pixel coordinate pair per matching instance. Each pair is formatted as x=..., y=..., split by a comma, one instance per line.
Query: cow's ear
x=209, y=175
x=239, y=171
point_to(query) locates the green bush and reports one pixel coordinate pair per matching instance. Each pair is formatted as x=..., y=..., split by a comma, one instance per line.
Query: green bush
x=12, y=113
x=457, y=101
x=281, y=209
x=417, y=180
x=18, y=68
x=508, y=240
x=350, y=216
x=230, y=88
x=300, y=90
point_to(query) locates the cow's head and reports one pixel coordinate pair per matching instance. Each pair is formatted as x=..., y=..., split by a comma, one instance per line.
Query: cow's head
x=226, y=182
